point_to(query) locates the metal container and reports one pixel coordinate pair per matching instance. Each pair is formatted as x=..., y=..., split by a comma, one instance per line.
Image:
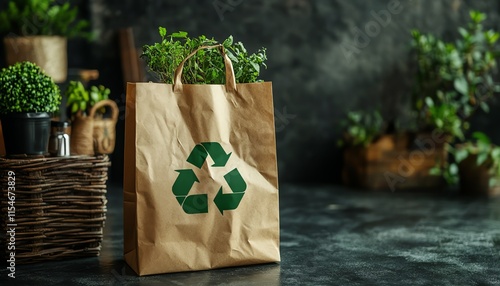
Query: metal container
x=59, y=139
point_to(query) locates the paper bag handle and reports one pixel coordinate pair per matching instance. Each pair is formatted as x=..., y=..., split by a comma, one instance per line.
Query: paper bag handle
x=107, y=102
x=230, y=78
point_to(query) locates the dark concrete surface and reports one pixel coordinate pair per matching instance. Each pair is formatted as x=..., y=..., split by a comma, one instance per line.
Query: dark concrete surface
x=329, y=236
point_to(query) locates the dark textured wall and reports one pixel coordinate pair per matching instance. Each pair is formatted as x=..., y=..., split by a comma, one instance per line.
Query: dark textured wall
x=325, y=57
x=319, y=65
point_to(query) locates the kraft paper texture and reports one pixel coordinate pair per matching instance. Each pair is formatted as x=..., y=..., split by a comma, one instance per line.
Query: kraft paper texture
x=162, y=129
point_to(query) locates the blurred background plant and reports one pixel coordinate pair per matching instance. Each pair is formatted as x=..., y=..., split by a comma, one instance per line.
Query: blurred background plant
x=81, y=100
x=361, y=128
x=479, y=151
x=455, y=79
x=43, y=17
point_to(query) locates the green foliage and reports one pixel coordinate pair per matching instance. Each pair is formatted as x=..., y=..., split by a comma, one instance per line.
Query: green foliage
x=25, y=88
x=207, y=66
x=457, y=77
x=80, y=99
x=42, y=17
x=361, y=128
x=444, y=116
x=486, y=154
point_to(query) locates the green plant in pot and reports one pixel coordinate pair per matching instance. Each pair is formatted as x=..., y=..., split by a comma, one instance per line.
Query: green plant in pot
x=37, y=31
x=79, y=99
x=27, y=97
x=475, y=166
x=93, y=128
x=454, y=80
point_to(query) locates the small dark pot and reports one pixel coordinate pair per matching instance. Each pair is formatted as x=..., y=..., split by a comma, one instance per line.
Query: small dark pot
x=26, y=133
x=474, y=179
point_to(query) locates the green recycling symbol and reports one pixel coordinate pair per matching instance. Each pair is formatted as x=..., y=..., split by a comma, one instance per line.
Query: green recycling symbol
x=197, y=204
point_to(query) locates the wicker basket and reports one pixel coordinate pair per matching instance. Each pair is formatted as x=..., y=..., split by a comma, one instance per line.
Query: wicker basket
x=94, y=134
x=60, y=206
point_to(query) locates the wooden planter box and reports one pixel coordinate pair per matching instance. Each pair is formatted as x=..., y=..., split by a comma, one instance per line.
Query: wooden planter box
x=395, y=162
x=475, y=180
x=60, y=206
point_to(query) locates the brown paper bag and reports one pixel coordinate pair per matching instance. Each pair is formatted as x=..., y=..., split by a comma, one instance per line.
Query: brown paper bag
x=201, y=186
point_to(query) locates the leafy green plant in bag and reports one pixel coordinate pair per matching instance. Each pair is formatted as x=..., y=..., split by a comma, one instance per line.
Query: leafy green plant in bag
x=207, y=66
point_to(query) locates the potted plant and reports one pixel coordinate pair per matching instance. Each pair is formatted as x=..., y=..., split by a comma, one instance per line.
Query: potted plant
x=207, y=66
x=27, y=96
x=37, y=31
x=91, y=132
x=378, y=156
x=454, y=80
x=476, y=166
x=81, y=100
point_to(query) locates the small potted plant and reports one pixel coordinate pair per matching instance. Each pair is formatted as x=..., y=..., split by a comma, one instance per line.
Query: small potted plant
x=91, y=132
x=454, y=80
x=207, y=66
x=81, y=100
x=37, y=31
x=27, y=97
x=477, y=164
